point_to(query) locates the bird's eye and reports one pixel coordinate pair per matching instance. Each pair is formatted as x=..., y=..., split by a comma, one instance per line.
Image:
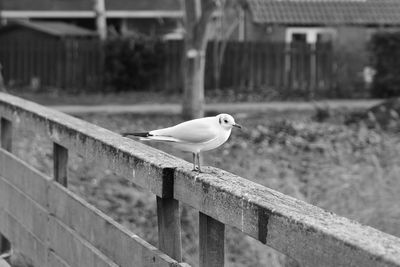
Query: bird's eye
x=226, y=121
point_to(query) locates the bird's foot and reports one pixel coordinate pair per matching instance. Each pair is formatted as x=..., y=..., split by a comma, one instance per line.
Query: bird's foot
x=197, y=169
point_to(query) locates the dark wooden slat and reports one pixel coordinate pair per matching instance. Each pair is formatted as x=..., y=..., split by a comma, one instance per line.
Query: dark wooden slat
x=6, y=143
x=211, y=241
x=169, y=227
x=6, y=134
x=98, y=229
x=313, y=69
x=60, y=158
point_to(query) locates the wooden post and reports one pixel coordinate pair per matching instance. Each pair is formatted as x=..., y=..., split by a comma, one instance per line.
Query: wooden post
x=2, y=86
x=212, y=240
x=6, y=134
x=169, y=227
x=313, y=70
x=6, y=143
x=60, y=164
x=288, y=54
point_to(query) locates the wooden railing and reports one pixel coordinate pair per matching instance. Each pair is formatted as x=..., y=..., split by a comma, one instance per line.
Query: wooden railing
x=54, y=227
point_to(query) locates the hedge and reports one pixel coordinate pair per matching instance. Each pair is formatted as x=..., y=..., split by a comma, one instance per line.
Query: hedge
x=385, y=52
x=132, y=63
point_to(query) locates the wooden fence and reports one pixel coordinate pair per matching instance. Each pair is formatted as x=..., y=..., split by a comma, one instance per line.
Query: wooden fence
x=296, y=68
x=54, y=227
x=76, y=64
x=73, y=64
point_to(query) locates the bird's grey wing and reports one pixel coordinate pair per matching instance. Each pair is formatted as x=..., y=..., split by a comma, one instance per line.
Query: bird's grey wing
x=198, y=131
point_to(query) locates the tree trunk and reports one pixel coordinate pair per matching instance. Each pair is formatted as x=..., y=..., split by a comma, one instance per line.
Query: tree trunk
x=197, y=16
x=193, y=105
x=101, y=21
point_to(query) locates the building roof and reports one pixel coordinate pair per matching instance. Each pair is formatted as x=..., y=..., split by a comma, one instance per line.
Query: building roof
x=85, y=9
x=87, y=5
x=326, y=12
x=59, y=29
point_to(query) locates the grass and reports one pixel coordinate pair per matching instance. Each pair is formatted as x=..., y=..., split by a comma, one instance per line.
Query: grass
x=351, y=170
x=55, y=96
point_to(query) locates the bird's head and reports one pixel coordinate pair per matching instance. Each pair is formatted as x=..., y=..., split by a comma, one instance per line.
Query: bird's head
x=227, y=121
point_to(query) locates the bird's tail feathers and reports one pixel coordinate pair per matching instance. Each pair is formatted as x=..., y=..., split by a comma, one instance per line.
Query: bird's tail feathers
x=140, y=134
x=149, y=136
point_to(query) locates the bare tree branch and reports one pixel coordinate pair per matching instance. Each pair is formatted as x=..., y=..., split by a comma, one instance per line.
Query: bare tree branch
x=208, y=8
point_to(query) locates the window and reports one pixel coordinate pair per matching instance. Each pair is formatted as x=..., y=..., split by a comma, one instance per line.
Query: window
x=299, y=37
x=310, y=34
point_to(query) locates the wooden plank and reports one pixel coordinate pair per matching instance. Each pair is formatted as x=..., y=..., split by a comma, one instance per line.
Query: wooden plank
x=260, y=66
x=270, y=60
x=115, y=241
x=60, y=164
x=279, y=66
x=6, y=143
x=313, y=70
x=55, y=261
x=251, y=61
x=6, y=134
x=24, y=177
x=22, y=239
x=28, y=214
x=211, y=242
x=52, y=65
x=153, y=168
x=73, y=249
x=13, y=61
x=233, y=76
x=169, y=227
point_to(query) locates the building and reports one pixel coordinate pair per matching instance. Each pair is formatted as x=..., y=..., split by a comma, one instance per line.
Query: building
x=158, y=17
x=346, y=22
x=47, y=54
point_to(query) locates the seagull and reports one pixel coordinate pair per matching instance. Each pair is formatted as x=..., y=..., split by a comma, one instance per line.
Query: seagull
x=194, y=136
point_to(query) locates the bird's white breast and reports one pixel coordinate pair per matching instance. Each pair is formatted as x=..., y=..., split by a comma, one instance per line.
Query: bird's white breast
x=220, y=139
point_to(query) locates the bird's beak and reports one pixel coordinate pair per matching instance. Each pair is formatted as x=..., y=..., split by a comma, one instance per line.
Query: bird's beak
x=237, y=125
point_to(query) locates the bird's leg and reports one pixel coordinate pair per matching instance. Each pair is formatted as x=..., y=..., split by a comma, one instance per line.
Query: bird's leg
x=194, y=162
x=198, y=161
